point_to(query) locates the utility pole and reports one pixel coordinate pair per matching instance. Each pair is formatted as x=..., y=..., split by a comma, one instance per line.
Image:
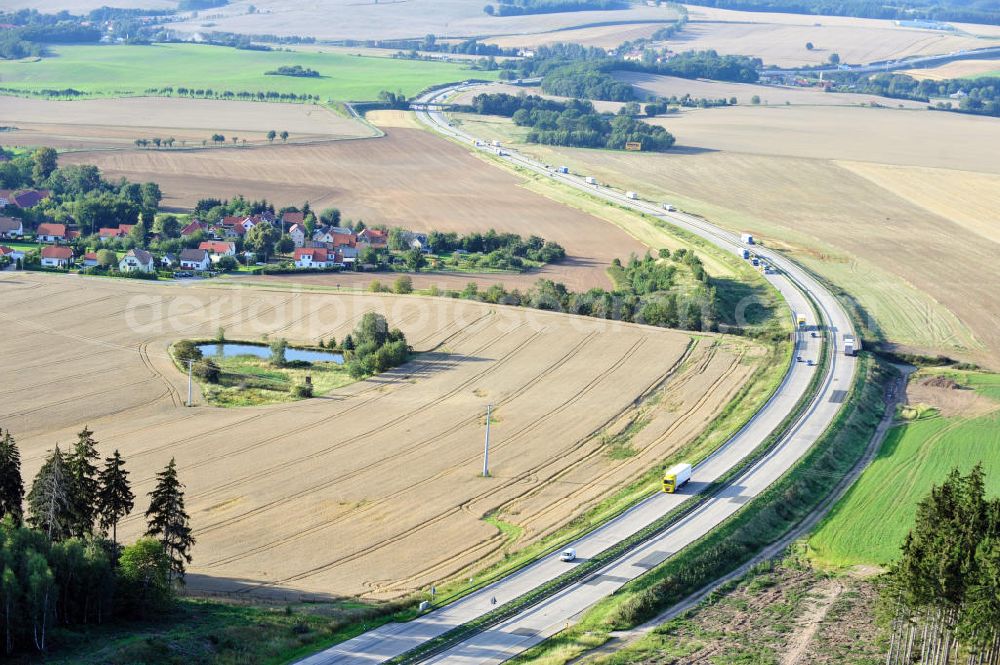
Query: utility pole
x=190, y=365
x=486, y=450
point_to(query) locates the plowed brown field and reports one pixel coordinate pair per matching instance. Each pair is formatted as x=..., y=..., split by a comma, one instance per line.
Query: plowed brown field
x=374, y=489
x=409, y=178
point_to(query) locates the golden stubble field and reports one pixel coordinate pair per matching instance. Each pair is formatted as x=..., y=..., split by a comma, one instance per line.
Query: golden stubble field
x=349, y=19
x=409, y=178
x=102, y=123
x=898, y=207
x=780, y=39
x=372, y=490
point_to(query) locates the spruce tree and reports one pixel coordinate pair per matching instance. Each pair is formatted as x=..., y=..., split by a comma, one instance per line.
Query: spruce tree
x=11, y=484
x=49, y=507
x=168, y=521
x=83, y=482
x=114, y=495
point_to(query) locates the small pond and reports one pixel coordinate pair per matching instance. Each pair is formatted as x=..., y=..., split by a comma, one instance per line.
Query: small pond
x=229, y=349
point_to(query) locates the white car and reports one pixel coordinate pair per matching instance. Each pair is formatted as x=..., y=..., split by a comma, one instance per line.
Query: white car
x=568, y=554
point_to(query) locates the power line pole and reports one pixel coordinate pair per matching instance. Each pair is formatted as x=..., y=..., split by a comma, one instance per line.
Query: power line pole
x=190, y=365
x=486, y=450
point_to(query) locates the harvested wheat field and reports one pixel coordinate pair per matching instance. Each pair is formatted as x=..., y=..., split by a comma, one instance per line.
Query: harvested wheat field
x=906, y=227
x=780, y=39
x=600, y=36
x=652, y=85
x=324, y=496
x=410, y=178
x=98, y=123
x=349, y=19
x=957, y=69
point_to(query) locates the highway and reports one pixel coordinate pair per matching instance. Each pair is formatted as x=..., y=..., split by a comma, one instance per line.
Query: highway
x=551, y=615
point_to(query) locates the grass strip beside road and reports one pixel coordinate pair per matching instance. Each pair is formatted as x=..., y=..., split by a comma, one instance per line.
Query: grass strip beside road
x=766, y=519
x=535, y=596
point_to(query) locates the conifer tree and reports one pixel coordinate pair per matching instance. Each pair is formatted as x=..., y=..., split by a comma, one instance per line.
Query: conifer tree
x=11, y=484
x=83, y=483
x=49, y=504
x=168, y=521
x=114, y=495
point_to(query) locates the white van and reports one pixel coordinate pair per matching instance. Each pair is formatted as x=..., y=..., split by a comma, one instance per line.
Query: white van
x=568, y=554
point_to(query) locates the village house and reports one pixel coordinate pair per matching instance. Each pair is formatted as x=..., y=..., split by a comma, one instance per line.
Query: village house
x=107, y=233
x=168, y=260
x=373, y=238
x=14, y=255
x=297, y=232
x=195, y=259
x=193, y=228
x=218, y=248
x=335, y=236
x=51, y=233
x=57, y=257
x=90, y=260
x=315, y=257
x=290, y=219
x=137, y=260
x=11, y=227
x=27, y=198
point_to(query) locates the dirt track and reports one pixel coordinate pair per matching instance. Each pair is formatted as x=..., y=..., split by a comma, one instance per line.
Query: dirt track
x=410, y=178
x=372, y=490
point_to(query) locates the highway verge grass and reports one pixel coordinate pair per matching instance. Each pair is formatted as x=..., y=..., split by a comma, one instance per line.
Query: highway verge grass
x=765, y=519
x=869, y=524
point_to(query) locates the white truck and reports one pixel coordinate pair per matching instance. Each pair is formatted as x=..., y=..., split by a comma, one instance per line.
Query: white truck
x=669, y=208
x=676, y=476
x=746, y=238
x=631, y=195
x=591, y=180
x=496, y=144
x=851, y=345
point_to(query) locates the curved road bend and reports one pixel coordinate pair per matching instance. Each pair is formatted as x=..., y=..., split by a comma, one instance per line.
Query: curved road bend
x=513, y=636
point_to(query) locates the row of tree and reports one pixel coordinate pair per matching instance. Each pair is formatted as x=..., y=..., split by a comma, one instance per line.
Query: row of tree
x=57, y=564
x=943, y=595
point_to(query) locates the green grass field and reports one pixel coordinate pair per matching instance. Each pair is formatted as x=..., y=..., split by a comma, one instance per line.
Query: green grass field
x=129, y=70
x=869, y=524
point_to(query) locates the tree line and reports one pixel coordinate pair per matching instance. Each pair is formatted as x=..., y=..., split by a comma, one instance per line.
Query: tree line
x=670, y=289
x=60, y=561
x=706, y=64
x=943, y=595
x=574, y=123
x=978, y=96
x=520, y=7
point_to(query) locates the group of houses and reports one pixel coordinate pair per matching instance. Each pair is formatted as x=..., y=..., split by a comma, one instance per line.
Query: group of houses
x=325, y=247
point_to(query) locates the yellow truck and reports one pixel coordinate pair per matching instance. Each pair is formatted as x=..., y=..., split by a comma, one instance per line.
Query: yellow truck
x=676, y=476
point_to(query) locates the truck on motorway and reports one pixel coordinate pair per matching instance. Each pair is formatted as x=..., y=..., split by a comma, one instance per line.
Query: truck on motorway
x=669, y=208
x=631, y=195
x=746, y=238
x=851, y=345
x=745, y=253
x=801, y=320
x=496, y=144
x=591, y=180
x=563, y=169
x=675, y=477
x=501, y=153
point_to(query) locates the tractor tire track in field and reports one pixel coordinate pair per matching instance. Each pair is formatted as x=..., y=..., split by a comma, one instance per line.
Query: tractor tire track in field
x=172, y=393
x=519, y=479
x=681, y=419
